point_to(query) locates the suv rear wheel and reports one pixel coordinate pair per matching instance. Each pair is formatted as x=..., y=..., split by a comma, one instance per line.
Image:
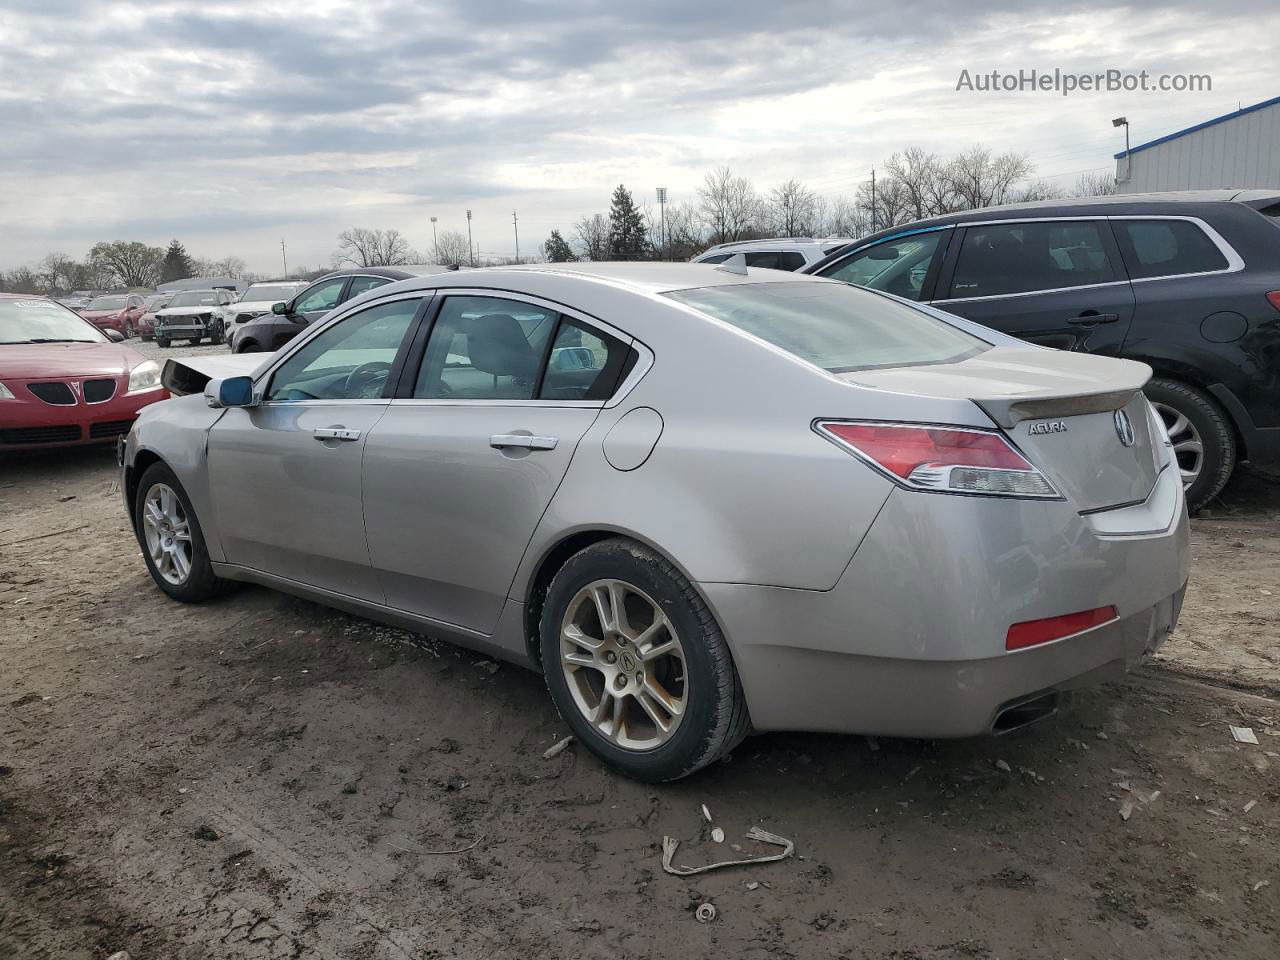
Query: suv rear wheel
x=1204, y=442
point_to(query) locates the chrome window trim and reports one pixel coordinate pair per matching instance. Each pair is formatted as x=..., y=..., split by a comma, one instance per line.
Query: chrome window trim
x=1235, y=262
x=1034, y=293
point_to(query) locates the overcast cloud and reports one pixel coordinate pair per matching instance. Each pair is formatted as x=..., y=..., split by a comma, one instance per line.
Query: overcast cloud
x=233, y=125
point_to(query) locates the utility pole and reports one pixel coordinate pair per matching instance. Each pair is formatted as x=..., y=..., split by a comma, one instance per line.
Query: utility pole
x=284, y=260
x=662, y=216
x=435, y=241
x=516, y=227
x=471, y=252
x=873, y=199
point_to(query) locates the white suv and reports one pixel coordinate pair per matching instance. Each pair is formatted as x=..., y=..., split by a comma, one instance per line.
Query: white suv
x=786, y=253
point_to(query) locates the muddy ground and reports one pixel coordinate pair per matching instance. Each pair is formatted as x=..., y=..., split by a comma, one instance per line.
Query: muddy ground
x=263, y=777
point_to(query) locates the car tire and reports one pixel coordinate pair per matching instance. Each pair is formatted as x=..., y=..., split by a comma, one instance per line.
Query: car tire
x=162, y=341
x=189, y=582
x=247, y=346
x=128, y=332
x=1194, y=419
x=697, y=674
x=194, y=341
x=145, y=337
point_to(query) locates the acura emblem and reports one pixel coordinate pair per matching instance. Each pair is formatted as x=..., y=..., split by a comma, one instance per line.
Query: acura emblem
x=1124, y=429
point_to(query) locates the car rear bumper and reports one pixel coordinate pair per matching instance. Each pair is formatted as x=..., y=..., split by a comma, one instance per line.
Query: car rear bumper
x=34, y=425
x=911, y=640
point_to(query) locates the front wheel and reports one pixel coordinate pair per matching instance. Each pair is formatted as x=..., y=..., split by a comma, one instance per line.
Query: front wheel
x=637, y=665
x=194, y=341
x=1204, y=442
x=162, y=341
x=128, y=331
x=173, y=544
x=247, y=346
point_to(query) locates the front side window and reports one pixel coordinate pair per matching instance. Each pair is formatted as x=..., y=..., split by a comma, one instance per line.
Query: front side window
x=323, y=296
x=584, y=364
x=896, y=266
x=485, y=348
x=349, y=360
x=834, y=326
x=1166, y=248
x=1005, y=258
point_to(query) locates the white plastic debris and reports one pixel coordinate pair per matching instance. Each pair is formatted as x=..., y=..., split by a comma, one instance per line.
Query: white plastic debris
x=1244, y=735
x=1250, y=805
x=706, y=814
x=1260, y=884
x=557, y=748
x=670, y=845
x=717, y=835
x=1002, y=765
x=1126, y=810
x=705, y=913
x=752, y=885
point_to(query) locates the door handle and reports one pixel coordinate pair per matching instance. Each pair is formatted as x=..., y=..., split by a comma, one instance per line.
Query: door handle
x=1093, y=319
x=335, y=433
x=501, y=441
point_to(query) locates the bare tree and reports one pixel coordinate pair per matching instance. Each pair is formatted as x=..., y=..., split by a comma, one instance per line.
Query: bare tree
x=728, y=204
x=981, y=180
x=790, y=209
x=592, y=235
x=131, y=264
x=887, y=205
x=926, y=189
x=1036, y=190
x=1093, y=185
x=373, y=248
x=686, y=236
x=847, y=219
x=452, y=248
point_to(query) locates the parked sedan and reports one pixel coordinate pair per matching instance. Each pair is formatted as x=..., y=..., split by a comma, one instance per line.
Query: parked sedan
x=63, y=381
x=115, y=311
x=765, y=500
x=193, y=315
x=147, y=322
x=257, y=301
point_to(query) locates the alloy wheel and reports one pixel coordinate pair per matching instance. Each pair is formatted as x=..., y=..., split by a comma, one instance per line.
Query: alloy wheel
x=168, y=533
x=624, y=664
x=1188, y=447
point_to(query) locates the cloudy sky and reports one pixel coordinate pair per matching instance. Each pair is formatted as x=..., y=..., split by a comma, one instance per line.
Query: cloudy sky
x=234, y=125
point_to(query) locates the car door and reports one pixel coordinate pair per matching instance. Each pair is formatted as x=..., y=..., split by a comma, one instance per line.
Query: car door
x=471, y=451
x=1058, y=283
x=285, y=475
x=905, y=265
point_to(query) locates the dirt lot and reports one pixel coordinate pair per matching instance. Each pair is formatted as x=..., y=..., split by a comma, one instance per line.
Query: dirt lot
x=262, y=777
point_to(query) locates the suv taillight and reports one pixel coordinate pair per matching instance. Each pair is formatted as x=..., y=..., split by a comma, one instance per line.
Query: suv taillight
x=941, y=459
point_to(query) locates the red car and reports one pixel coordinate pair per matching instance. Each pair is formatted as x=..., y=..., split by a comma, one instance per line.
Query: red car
x=63, y=381
x=115, y=311
x=146, y=325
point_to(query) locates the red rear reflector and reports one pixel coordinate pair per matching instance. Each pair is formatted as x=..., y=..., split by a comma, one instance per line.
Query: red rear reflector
x=901, y=449
x=1034, y=632
x=1274, y=297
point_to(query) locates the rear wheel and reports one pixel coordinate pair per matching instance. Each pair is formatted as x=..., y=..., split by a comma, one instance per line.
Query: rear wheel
x=162, y=341
x=173, y=545
x=636, y=664
x=194, y=341
x=128, y=331
x=1204, y=442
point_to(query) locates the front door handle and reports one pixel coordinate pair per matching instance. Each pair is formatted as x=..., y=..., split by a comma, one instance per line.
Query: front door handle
x=501, y=441
x=1093, y=319
x=335, y=433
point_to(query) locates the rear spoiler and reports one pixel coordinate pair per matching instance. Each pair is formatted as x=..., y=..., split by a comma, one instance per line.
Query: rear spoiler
x=186, y=375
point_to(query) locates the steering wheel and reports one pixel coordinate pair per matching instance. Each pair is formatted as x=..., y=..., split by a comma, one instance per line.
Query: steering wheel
x=365, y=381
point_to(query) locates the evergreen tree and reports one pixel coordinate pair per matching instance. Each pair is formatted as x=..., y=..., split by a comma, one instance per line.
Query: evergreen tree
x=626, y=228
x=556, y=249
x=177, y=263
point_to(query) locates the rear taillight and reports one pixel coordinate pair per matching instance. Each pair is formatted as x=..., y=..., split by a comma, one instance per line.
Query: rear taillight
x=942, y=459
x=1274, y=297
x=1035, y=632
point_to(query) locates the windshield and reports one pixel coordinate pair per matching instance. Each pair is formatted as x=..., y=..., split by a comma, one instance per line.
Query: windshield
x=834, y=326
x=42, y=321
x=107, y=303
x=275, y=292
x=195, y=298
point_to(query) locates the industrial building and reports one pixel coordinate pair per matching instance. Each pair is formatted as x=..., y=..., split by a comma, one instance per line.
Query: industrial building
x=1240, y=149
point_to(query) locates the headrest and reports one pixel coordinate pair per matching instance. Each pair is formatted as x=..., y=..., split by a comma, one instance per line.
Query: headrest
x=497, y=345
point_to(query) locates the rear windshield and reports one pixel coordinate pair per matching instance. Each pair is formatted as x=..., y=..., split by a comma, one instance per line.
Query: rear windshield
x=833, y=325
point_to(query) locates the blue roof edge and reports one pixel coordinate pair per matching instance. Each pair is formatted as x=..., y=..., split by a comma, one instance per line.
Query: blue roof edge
x=1200, y=126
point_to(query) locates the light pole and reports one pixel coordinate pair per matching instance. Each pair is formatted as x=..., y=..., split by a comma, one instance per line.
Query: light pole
x=1128, y=157
x=662, y=218
x=435, y=241
x=516, y=227
x=471, y=253
x=284, y=260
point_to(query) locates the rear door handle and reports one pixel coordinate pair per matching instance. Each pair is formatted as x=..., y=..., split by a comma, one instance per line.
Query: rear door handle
x=500, y=441
x=335, y=433
x=1093, y=319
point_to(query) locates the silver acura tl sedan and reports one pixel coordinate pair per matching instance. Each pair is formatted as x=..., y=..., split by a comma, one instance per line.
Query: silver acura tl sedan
x=698, y=499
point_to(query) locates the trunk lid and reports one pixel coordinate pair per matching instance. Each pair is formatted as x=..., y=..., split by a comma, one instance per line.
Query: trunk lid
x=1081, y=419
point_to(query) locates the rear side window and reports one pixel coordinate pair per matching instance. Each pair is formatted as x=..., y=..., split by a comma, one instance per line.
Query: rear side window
x=360, y=284
x=1005, y=258
x=834, y=326
x=716, y=258
x=1166, y=248
x=584, y=364
x=776, y=259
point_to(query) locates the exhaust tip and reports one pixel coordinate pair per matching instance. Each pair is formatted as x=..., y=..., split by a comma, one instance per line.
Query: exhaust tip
x=1022, y=713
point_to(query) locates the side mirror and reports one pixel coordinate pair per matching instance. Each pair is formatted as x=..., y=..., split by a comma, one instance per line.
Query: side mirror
x=230, y=392
x=115, y=336
x=280, y=308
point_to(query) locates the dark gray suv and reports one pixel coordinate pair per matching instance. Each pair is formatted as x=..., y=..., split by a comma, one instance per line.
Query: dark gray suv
x=1188, y=283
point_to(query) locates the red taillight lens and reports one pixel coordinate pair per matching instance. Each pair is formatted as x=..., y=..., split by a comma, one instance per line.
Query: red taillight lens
x=1274, y=297
x=1033, y=632
x=946, y=459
